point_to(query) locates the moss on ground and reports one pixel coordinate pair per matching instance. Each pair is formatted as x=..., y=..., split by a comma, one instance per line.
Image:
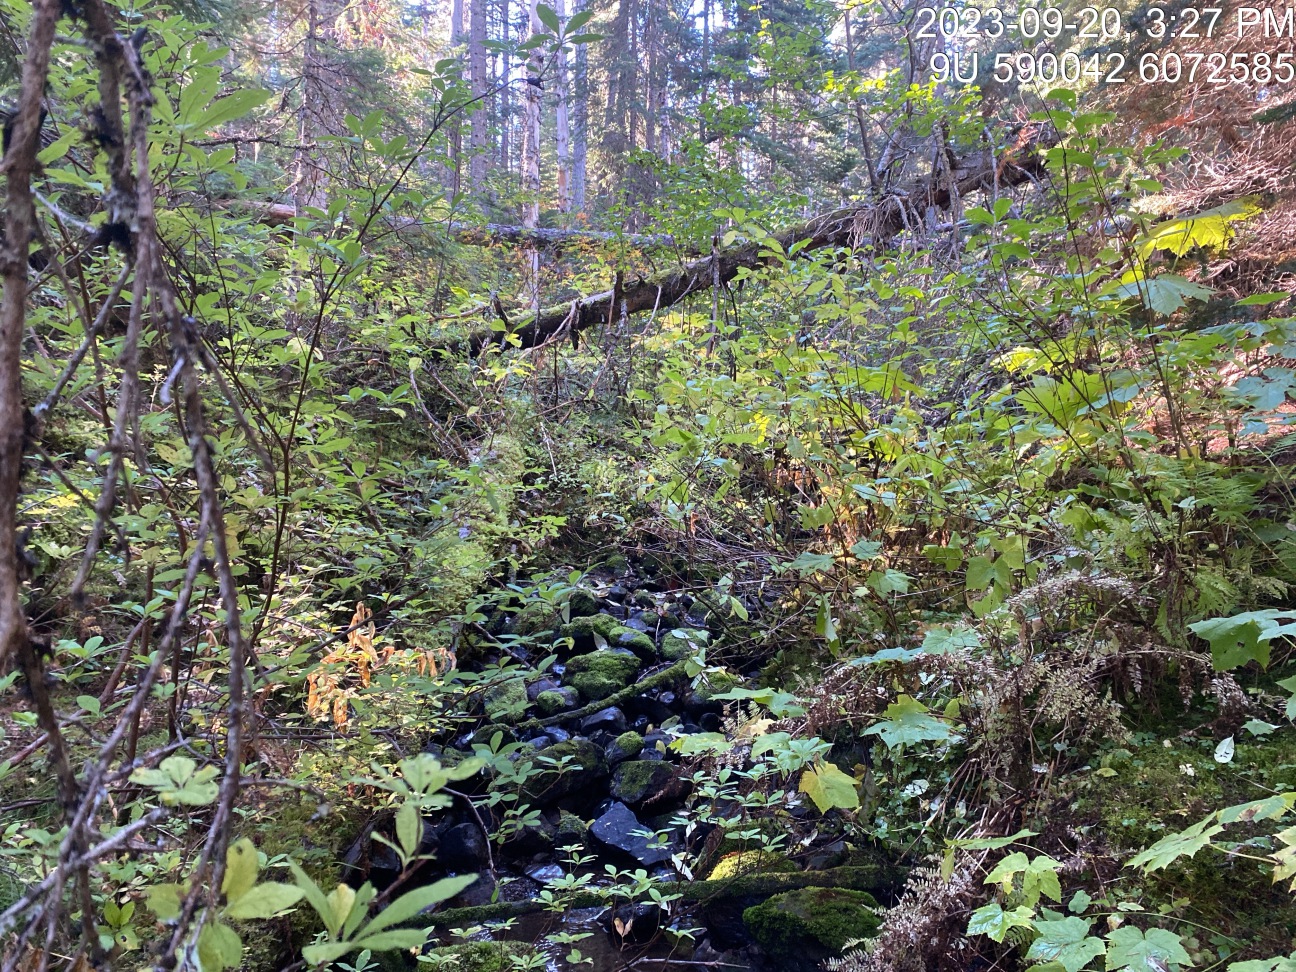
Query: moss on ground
x=551, y=701
x=586, y=627
x=799, y=929
x=1136, y=797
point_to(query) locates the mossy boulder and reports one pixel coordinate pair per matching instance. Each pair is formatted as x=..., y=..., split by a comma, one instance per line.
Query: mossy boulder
x=800, y=929
x=557, y=700
x=628, y=745
x=641, y=780
x=506, y=701
x=601, y=673
x=750, y=862
x=564, y=768
x=682, y=643
x=642, y=645
x=477, y=957
x=571, y=830
x=582, y=604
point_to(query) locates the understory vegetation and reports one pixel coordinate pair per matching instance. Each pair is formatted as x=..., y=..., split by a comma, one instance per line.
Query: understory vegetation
x=793, y=561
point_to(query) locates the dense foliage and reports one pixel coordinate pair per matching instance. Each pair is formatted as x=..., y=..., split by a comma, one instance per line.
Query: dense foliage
x=848, y=520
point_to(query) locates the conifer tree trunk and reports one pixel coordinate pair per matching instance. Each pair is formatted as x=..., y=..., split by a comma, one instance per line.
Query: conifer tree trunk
x=456, y=127
x=477, y=78
x=531, y=155
x=562, y=131
x=580, y=145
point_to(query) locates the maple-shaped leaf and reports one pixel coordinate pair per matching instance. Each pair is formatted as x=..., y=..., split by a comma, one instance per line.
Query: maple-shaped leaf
x=909, y=721
x=1185, y=843
x=1066, y=942
x=992, y=920
x=1152, y=951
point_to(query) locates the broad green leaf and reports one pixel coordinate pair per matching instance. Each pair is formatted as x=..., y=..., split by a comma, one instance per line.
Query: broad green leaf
x=164, y=900
x=341, y=901
x=829, y=787
x=1154, y=951
x=808, y=563
x=409, y=827
x=1224, y=751
x=545, y=14
x=1276, y=964
x=992, y=920
x=219, y=947
x=265, y=900
x=866, y=549
x=1270, y=808
x=702, y=742
x=178, y=780
x=941, y=640
x=327, y=951
x=412, y=902
x=1007, y=869
x=315, y=895
x=1185, y=843
x=1066, y=942
x=908, y=721
x=396, y=938
x=240, y=869
x=1079, y=902
x=89, y=703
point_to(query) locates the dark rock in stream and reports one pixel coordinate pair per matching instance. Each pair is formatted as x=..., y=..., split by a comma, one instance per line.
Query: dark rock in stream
x=577, y=765
x=638, y=622
x=634, y=924
x=463, y=848
x=643, y=781
x=619, y=829
x=611, y=720
x=541, y=685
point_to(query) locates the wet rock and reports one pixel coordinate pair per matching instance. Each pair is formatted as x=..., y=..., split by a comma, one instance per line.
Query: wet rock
x=634, y=924
x=800, y=929
x=557, y=700
x=546, y=873
x=611, y=720
x=709, y=722
x=656, y=706
x=702, y=699
x=576, y=764
x=542, y=685
x=614, y=610
x=644, y=599
x=637, y=622
x=642, y=781
x=602, y=673
x=463, y=848
x=628, y=745
x=656, y=745
x=620, y=829
x=829, y=855
x=617, y=592
x=557, y=735
x=644, y=648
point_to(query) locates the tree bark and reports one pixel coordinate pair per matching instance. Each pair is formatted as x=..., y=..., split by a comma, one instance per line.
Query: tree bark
x=531, y=158
x=871, y=225
x=19, y=227
x=562, y=131
x=580, y=147
x=478, y=137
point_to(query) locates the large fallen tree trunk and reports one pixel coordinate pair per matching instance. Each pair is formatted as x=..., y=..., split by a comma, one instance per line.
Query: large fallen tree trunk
x=872, y=224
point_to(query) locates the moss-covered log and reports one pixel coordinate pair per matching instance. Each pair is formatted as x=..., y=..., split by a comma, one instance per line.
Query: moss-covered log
x=881, y=878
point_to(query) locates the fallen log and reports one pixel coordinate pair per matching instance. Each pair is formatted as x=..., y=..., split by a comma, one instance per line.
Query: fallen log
x=882, y=878
x=873, y=224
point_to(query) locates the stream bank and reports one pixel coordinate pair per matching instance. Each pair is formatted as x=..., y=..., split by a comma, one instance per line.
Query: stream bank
x=612, y=850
